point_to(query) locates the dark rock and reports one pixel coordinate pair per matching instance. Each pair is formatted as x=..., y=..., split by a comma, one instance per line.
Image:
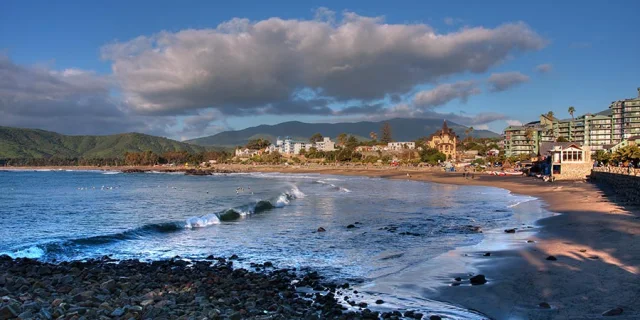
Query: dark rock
x=268, y=264
x=8, y=312
x=233, y=257
x=583, y=250
x=118, y=312
x=510, y=231
x=488, y=254
x=321, y=229
x=109, y=285
x=457, y=279
x=552, y=258
x=594, y=257
x=544, y=305
x=613, y=312
x=350, y=226
x=379, y=301
x=478, y=280
x=434, y=317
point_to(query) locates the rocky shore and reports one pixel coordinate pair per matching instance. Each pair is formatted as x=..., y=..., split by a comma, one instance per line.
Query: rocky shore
x=174, y=289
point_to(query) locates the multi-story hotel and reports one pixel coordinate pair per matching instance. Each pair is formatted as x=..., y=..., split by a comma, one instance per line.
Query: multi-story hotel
x=598, y=131
x=626, y=118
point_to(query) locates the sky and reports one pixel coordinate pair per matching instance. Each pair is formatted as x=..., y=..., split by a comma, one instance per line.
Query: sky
x=194, y=68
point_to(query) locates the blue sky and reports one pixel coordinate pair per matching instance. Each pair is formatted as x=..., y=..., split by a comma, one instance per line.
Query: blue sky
x=590, y=49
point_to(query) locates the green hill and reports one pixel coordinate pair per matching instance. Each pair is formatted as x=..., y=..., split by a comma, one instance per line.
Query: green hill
x=402, y=130
x=31, y=143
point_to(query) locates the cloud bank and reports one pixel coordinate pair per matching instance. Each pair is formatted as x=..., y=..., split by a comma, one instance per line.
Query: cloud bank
x=186, y=83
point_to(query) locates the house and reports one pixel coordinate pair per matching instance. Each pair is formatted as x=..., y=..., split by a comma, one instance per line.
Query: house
x=399, y=146
x=493, y=153
x=569, y=160
x=444, y=140
x=247, y=153
x=289, y=146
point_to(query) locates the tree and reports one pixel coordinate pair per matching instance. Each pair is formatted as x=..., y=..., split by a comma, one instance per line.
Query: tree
x=316, y=138
x=628, y=153
x=528, y=133
x=257, y=144
x=373, y=136
x=603, y=156
x=342, y=138
x=352, y=142
x=571, y=111
x=562, y=139
x=386, y=133
x=468, y=133
x=432, y=155
x=550, y=115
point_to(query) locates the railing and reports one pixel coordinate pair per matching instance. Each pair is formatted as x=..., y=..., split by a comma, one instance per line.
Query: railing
x=619, y=170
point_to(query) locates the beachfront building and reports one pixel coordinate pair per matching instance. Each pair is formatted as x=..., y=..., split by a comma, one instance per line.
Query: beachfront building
x=626, y=118
x=288, y=146
x=569, y=160
x=399, y=146
x=444, y=140
x=325, y=145
x=523, y=139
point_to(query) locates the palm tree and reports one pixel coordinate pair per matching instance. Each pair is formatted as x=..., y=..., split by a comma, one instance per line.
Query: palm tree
x=468, y=132
x=571, y=111
x=342, y=138
x=550, y=115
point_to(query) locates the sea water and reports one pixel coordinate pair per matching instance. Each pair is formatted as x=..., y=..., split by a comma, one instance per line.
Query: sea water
x=395, y=225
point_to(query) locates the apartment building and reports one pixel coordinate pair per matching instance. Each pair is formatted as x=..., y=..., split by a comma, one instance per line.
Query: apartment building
x=626, y=118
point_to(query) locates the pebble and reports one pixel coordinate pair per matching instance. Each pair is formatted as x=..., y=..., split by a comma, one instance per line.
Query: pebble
x=321, y=229
x=552, y=258
x=510, y=231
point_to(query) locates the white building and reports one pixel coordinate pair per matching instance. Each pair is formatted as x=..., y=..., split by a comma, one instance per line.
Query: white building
x=325, y=145
x=398, y=146
x=289, y=146
x=246, y=153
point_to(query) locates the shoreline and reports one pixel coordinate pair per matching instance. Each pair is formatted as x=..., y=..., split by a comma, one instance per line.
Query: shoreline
x=593, y=240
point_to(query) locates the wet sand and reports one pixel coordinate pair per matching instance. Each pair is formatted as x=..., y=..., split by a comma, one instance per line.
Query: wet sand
x=596, y=244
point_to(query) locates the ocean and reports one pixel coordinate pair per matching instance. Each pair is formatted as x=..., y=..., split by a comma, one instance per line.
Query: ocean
x=377, y=230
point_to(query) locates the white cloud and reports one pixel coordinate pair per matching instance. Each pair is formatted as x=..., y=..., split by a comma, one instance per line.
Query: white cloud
x=544, y=68
x=243, y=65
x=513, y=122
x=445, y=93
x=503, y=81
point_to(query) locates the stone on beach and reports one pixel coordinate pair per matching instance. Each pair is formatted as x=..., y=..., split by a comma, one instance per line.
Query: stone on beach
x=321, y=229
x=613, y=312
x=478, y=280
x=510, y=230
x=552, y=258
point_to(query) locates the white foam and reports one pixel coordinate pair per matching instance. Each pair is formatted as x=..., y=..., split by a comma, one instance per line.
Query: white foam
x=282, y=201
x=343, y=189
x=111, y=172
x=31, y=253
x=201, y=222
x=297, y=193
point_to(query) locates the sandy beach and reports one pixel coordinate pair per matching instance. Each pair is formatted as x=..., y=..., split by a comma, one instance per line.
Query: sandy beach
x=594, y=241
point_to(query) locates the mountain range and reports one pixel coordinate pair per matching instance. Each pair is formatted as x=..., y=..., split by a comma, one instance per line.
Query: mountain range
x=403, y=129
x=33, y=143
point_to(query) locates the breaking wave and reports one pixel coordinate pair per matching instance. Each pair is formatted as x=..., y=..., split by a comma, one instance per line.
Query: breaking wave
x=67, y=248
x=338, y=188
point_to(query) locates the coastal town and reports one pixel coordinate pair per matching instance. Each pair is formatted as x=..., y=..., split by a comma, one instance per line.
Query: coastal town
x=350, y=160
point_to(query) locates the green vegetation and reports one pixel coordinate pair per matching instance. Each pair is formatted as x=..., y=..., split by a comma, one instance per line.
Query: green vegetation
x=257, y=144
x=39, y=147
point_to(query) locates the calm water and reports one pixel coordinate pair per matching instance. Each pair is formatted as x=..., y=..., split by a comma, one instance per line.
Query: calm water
x=401, y=224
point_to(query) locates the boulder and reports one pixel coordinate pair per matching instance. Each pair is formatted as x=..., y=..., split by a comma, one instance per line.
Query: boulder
x=510, y=231
x=478, y=280
x=321, y=229
x=8, y=312
x=552, y=258
x=613, y=312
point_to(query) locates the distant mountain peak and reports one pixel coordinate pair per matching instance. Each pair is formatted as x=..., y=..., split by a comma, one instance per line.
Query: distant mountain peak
x=403, y=129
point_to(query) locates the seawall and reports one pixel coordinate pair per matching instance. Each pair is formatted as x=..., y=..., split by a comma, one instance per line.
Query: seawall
x=622, y=182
